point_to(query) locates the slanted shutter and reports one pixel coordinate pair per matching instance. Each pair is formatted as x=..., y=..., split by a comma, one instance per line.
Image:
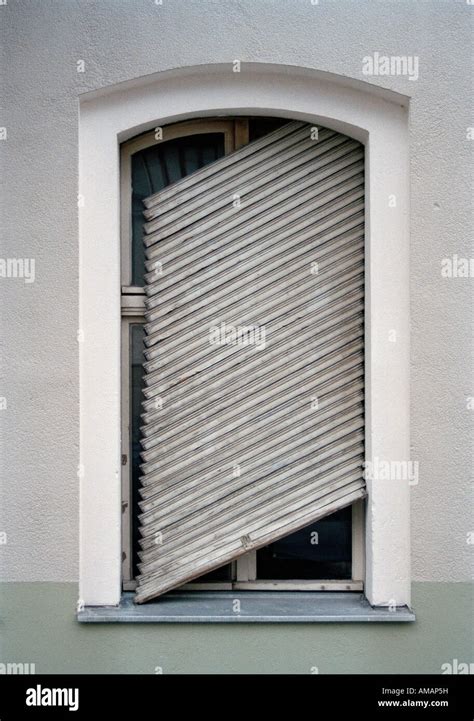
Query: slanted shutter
x=244, y=444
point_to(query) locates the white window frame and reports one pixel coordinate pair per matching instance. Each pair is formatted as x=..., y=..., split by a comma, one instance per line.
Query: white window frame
x=377, y=118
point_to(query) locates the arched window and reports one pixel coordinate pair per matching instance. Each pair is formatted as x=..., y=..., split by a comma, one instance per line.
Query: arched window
x=324, y=555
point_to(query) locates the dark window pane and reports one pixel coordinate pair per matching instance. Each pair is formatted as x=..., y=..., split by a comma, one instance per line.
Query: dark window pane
x=191, y=158
x=155, y=168
x=170, y=154
x=261, y=126
x=320, y=551
x=224, y=573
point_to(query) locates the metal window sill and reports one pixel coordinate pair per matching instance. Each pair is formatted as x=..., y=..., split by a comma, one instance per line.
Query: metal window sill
x=255, y=607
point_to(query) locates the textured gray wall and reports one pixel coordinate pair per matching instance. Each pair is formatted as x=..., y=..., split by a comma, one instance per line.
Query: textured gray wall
x=123, y=39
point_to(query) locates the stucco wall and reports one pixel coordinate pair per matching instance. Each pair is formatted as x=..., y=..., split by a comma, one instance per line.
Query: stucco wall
x=123, y=39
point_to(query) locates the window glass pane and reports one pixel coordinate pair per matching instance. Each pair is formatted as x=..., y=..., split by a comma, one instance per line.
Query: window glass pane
x=191, y=158
x=262, y=126
x=224, y=573
x=170, y=155
x=156, y=167
x=320, y=551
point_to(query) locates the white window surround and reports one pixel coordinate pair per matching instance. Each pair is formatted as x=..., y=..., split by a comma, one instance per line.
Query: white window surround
x=376, y=117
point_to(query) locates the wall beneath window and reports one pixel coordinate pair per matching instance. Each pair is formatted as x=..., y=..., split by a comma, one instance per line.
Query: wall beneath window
x=118, y=40
x=46, y=633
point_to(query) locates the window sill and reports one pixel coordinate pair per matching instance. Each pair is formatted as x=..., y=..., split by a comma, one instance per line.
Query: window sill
x=255, y=607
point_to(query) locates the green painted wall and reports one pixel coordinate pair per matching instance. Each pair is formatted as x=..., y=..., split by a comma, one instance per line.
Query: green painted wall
x=39, y=626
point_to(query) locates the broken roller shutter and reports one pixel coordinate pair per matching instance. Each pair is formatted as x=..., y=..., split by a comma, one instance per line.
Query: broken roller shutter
x=254, y=398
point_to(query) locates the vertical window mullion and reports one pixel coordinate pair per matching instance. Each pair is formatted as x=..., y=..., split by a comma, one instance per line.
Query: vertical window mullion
x=246, y=567
x=358, y=545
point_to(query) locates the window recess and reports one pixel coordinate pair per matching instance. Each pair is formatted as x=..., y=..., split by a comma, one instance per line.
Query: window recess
x=309, y=194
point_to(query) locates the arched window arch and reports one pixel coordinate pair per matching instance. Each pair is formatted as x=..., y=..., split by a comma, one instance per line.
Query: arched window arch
x=373, y=115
